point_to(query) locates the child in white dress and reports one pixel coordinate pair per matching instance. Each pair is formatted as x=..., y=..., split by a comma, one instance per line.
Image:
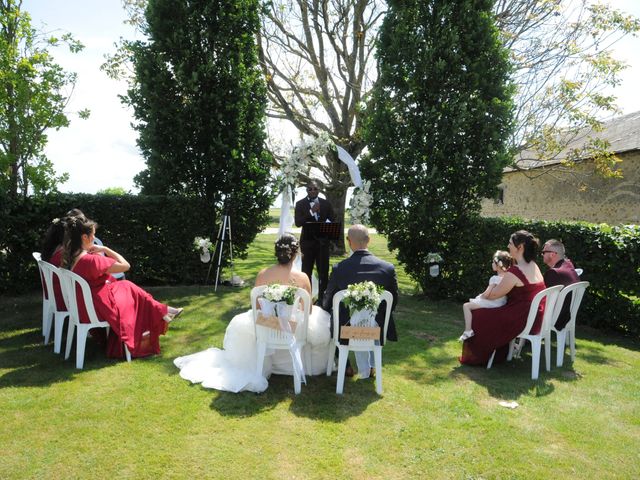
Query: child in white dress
x=500, y=264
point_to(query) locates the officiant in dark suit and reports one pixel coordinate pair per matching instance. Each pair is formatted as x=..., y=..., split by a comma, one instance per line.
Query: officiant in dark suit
x=560, y=272
x=361, y=266
x=315, y=250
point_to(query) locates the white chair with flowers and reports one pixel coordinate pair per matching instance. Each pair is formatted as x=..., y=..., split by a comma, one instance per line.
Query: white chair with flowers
x=361, y=331
x=281, y=323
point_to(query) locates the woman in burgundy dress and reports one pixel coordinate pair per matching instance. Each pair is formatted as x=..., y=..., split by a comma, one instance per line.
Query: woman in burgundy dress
x=135, y=317
x=495, y=327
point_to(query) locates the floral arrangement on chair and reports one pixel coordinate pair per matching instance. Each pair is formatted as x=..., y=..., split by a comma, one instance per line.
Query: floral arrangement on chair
x=363, y=296
x=280, y=293
x=204, y=247
x=433, y=260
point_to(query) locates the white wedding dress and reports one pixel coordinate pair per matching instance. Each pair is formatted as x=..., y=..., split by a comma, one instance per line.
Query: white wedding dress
x=233, y=369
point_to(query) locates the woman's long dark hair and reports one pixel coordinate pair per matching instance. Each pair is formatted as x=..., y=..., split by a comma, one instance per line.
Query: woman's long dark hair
x=74, y=228
x=52, y=239
x=286, y=248
x=531, y=244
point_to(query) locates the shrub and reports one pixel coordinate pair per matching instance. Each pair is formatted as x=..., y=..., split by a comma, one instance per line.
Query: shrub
x=154, y=233
x=610, y=257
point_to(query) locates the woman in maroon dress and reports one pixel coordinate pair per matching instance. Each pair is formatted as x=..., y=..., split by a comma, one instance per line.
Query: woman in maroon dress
x=495, y=327
x=135, y=317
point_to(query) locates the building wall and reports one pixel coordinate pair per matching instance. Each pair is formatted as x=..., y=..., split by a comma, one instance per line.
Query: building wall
x=555, y=195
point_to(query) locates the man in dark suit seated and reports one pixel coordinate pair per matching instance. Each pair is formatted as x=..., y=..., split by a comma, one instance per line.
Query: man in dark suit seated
x=361, y=266
x=560, y=272
x=315, y=251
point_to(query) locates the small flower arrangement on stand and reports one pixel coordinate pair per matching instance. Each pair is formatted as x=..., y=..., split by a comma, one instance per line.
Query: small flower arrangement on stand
x=434, y=260
x=204, y=247
x=362, y=299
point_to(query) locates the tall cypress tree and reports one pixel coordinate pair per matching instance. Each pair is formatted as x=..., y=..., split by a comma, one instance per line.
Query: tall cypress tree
x=199, y=100
x=436, y=128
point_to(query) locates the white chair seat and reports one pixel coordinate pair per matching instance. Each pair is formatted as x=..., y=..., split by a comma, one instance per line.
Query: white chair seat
x=281, y=340
x=356, y=345
x=569, y=331
x=544, y=335
x=69, y=282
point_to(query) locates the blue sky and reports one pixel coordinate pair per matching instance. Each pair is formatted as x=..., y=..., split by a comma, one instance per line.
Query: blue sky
x=101, y=152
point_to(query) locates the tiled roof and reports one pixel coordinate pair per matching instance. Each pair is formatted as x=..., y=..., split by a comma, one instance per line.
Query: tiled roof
x=623, y=134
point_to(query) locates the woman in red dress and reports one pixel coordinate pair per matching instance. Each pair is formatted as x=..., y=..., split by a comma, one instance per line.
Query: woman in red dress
x=495, y=327
x=135, y=317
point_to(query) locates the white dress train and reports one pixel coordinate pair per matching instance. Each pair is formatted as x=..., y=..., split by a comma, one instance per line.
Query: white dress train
x=233, y=369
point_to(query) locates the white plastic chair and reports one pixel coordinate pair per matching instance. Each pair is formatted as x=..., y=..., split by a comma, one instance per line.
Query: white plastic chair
x=280, y=340
x=356, y=345
x=551, y=295
x=69, y=281
x=47, y=300
x=577, y=290
x=50, y=271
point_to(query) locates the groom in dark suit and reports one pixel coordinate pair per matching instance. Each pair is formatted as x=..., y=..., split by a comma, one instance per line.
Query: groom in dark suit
x=361, y=266
x=315, y=250
x=560, y=272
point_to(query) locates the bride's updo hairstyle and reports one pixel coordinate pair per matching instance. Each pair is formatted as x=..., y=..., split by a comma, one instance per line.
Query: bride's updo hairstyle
x=286, y=248
x=74, y=228
x=530, y=243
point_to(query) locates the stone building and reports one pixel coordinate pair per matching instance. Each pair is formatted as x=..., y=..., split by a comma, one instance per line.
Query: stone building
x=552, y=191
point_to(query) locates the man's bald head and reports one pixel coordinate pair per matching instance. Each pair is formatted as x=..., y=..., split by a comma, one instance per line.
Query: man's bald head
x=358, y=236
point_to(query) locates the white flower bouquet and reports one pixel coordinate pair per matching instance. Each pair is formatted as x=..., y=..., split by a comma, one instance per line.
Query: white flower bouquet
x=363, y=296
x=204, y=247
x=301, y=156
x=360, y=204
x=280, y=293
x=434, y=257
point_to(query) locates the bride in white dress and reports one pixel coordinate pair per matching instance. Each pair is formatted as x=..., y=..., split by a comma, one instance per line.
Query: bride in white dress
x=233, y=369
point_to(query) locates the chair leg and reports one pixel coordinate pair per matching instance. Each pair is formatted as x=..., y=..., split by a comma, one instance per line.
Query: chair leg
x=491, y=360
x=561, y=337
x=343, y=355
x=81, y=343
x=70, y=332
x=331, y=357
x=547, y=351
x=57, y=331
x=535, y=358
x=308, y=360
x=262, y=349
x=377, y=355
x=127, y=353
x=47, y=322
x=572, y=344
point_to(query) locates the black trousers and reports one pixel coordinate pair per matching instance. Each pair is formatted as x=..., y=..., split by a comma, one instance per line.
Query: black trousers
x=315, y=252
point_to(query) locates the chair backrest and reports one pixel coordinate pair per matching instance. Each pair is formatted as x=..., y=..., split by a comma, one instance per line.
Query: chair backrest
x=387, y=297
x=551, y=295
x=579, y=271
x=37, y=256
x=50, y=271
x=271, y=335
x=577, y=291
x=70, y=284
x=43, y=279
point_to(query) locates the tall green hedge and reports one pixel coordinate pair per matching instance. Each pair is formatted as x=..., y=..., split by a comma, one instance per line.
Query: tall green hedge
x=154, y=233
x=609, y=256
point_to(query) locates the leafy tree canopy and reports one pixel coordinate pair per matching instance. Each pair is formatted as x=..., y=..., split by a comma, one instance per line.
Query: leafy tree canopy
x=437, y=124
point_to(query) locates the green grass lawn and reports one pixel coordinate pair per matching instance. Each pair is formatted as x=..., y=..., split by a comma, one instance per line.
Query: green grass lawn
x=436, y=419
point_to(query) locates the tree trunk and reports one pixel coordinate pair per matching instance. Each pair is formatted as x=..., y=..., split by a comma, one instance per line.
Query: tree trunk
x=336, y=193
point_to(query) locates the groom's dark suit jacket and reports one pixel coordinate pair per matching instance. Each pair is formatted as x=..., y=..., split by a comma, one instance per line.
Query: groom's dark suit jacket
x=562, y=273
x=360, y=267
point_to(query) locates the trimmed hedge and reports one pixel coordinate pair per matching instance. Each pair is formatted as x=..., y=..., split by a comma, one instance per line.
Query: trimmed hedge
x=610, y=257
x=154, y=233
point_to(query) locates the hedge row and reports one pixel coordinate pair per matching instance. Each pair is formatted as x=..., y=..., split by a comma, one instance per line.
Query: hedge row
x=609, y=256
x=154, y=233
